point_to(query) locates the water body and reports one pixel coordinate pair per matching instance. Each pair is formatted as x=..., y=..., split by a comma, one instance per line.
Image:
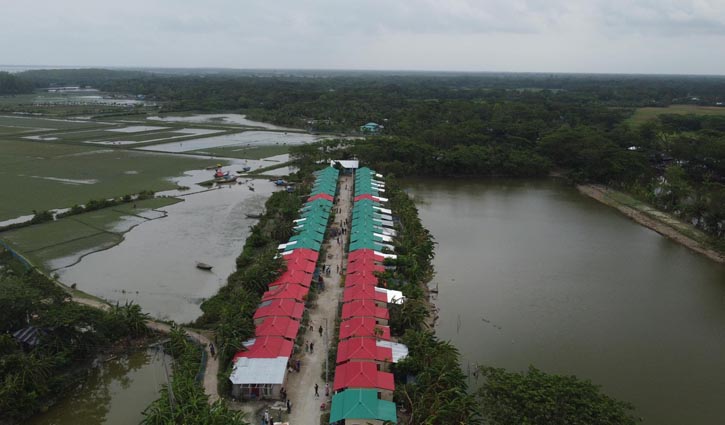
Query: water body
x=532, y=272
x=115, y=393
x=246, y=138
x=227, y=119
x=155, y=266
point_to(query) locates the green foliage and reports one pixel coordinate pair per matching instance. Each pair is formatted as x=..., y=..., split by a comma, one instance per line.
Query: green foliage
x=184, y=402
x=439, y=394
x=534, y=397
x=70, y=335
x=12, y=84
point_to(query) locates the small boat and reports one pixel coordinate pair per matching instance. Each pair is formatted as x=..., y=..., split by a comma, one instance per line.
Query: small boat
x=203, y=266
x=251, y=188
x=258, y=215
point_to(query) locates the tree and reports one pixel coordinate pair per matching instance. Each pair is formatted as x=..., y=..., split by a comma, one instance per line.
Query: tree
x=538, y=398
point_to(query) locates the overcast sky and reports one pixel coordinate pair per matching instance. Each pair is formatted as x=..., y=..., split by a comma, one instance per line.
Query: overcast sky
x=625, y=36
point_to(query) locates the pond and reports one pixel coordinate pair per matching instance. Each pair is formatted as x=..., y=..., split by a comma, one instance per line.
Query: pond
x=533, y=273
x=115, y=393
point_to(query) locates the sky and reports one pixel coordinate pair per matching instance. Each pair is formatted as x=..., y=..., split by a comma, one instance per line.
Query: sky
x=603, y=36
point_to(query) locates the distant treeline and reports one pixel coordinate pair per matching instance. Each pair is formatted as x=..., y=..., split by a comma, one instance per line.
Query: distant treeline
x=11, y=84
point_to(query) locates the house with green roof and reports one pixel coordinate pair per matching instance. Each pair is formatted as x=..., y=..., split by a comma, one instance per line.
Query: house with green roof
x=371, y=128
x=361, y=407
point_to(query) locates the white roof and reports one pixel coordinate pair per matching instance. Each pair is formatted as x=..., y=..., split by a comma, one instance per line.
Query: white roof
x=260, y=371
x=384, y=255
x=346, y=163
x=383, y=210
x=383, y=237
x=394, y=297
x=285, y=245
x=378, y=175
x=400, y=351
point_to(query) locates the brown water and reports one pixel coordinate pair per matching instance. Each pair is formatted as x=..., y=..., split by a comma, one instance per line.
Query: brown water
x=532, y=272
x=155, y=266
x=114, y=394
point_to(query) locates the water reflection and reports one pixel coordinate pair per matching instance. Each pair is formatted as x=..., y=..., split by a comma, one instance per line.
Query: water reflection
x=115, y=393
x=532, y=272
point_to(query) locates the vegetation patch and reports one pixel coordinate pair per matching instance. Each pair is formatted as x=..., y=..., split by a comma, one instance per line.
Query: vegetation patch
x=26, y=167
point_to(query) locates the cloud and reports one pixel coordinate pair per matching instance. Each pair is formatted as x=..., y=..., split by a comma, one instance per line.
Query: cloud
x=515, y=35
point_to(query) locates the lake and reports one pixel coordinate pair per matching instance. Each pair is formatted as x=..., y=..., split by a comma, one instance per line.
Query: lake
x=532, y=272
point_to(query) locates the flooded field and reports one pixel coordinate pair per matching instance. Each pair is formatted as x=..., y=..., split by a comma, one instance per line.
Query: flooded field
x=246, y=138
x=155, y=266
x=227, y=119
x=115, y=393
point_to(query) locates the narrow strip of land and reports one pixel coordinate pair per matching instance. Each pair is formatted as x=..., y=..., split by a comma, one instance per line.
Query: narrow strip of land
x=301, y=386
x=656, y=220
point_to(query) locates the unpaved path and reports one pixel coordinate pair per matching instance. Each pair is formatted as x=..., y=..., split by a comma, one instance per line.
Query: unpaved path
x=212, y=363
x=600, y=193
x=301, y=386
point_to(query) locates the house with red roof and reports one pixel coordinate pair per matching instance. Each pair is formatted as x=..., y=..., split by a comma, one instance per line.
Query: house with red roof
x=363, y=327
x=365, y=308
x=364, y=375
x=278, y=326
x=287, y=291
x=279, y=307
x=364, y=350
x=365, y=292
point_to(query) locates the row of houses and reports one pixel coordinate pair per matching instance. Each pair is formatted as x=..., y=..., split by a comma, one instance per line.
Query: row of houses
x=260, y=369
x=363, y=384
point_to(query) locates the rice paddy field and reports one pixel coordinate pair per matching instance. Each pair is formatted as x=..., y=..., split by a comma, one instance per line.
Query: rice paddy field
x=642, y=115
x=41, y=175
x=61, y=242
x=49, y=163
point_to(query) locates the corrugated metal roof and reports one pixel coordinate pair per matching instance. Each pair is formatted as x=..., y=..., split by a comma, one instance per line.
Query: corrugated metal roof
x=259, y=371
x=400, y=351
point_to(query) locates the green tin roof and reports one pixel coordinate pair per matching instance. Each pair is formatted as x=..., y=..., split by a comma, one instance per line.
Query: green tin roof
x=361, y=404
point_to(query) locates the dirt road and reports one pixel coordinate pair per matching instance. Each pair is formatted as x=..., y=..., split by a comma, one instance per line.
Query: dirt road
x=301, y=386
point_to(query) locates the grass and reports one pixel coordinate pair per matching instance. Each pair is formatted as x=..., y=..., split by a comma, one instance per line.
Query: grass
x=24, y=164
x=32, y=123
x=42, y=243
x=642, y=115
x=257, y=152
x=682, y=227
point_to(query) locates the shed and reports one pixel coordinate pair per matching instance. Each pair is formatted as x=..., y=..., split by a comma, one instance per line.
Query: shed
x=257, y=378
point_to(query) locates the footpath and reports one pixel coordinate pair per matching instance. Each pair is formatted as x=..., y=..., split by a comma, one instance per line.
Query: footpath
x=212, y=363
x=306, y=407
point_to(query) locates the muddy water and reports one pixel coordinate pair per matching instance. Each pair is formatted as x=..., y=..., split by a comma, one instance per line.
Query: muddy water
x=115, y=393
x=227, y=119
x=246, y=138
x=532, y=272
x=155, y=266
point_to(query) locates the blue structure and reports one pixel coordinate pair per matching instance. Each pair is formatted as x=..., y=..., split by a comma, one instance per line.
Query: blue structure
x=371, y=127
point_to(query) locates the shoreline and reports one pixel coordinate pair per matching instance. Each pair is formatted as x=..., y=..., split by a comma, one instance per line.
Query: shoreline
x=601, y=193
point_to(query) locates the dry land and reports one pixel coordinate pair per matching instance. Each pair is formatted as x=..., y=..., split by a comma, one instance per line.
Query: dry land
x=642, y=115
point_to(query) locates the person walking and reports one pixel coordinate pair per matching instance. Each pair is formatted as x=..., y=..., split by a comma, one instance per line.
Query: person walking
x=320, y=331
x=289, y=407
x=327, y=389
x=211, y=350
x=312, y=347
x=307, y=346
x=317, y=394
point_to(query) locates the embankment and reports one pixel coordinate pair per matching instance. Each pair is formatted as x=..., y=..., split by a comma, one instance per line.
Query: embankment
x=653, y=219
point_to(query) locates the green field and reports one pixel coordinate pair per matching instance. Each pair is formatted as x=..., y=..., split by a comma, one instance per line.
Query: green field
x=245, y=152
x=642, y=115
x=30, y=174
x=45, y=242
